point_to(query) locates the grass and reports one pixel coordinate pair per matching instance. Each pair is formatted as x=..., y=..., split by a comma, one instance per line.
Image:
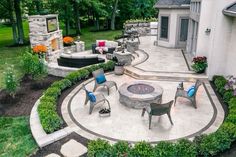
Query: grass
x=15, y=137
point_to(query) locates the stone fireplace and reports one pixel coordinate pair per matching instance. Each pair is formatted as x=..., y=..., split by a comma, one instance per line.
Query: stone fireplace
x=44, y=30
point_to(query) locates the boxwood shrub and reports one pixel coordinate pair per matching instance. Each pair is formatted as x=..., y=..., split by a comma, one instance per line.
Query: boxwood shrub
x=203, y=145
x=47, y=108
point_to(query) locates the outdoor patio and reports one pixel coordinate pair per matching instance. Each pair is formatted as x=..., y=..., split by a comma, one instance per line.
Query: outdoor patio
x=127, y=124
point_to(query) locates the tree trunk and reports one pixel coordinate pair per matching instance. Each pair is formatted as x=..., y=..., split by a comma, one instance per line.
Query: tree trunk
x=13, y=22
x=77, y=20
x=97, y=23
x=113, y=16
x=67, y=20
x=19, y=22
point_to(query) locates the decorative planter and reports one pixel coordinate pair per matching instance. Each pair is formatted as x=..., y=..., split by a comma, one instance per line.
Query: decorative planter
x=70, y=49
x=119, y=70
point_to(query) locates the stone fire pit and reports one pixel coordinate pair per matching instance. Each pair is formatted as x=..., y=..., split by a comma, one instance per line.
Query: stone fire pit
x=138, y=94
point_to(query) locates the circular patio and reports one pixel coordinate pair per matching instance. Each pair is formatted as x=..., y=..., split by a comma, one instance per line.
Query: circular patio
x=128, y=125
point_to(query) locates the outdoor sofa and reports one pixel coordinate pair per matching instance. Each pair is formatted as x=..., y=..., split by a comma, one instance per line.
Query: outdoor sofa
x=109, y=46
x=79, y=60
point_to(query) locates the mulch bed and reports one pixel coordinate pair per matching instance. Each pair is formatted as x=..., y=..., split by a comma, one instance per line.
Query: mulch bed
x=56, y=146
x=28, y=93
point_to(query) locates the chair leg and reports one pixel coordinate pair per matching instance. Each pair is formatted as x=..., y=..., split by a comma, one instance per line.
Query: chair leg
x=116, y=86
x=150, y=121
x=86, y=100
x=175, y=100
x=194, y=103
x=95, y=87
x=108, y=103
x=170, y=119
x=143, y=112
x=91, y=109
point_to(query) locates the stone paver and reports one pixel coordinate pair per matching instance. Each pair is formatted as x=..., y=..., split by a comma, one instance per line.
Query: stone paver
x=161, y=59
x=73, y=149
x=53, y=155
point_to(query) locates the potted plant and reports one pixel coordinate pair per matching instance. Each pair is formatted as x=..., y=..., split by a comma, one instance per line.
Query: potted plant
x=119, y=67
x=41, y=51
x=199, y=64
x=69, y=44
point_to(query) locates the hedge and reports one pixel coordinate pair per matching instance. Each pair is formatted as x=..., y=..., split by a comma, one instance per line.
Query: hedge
x=47, y=109
x=203, y=145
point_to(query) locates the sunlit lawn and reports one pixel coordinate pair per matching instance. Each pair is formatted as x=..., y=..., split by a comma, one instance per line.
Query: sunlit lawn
x=15, y=137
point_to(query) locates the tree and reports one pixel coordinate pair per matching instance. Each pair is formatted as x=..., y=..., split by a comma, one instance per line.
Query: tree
x=19, y=23
x=77, y=15
x=113, y=17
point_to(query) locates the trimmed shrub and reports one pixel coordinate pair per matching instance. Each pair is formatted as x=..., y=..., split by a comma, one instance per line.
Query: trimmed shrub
x=232, y=104
x=143, y=149
x=209, y=145
x=230, y=129
x=76, y=76
x=227, y=96
x=165, y=149
x=186, y=148
x=220, y=84
x=120, y=149
x=99, y=148
x=50, y=120
x=217, y=77
x=62, y=84
x=53, y=92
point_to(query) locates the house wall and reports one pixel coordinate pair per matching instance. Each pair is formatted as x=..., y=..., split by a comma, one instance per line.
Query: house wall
x=174, y=15
x=231, y=55
x=214, y=45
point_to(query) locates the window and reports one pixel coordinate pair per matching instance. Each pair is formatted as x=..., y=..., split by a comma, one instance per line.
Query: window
x=184, y=29
x=164, y=27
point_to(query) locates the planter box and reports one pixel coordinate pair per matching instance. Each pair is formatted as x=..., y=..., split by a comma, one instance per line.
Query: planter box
x=119, y=70
x=70, y=49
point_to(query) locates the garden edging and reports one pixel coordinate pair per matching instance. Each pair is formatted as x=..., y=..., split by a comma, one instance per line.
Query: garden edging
x=41, y=137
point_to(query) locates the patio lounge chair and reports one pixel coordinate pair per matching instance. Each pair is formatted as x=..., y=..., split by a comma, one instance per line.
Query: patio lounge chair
x=107, y=84
x=183, y=93
x=99, y=98
x=157, y=110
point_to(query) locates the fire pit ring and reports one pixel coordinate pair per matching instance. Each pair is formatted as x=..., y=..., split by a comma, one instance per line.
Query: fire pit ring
x=138, y=94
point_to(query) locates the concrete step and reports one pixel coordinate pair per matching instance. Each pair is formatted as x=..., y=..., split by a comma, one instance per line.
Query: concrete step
x=171, y=76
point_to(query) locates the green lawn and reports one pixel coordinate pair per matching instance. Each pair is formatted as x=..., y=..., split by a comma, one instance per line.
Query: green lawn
x=15, y=137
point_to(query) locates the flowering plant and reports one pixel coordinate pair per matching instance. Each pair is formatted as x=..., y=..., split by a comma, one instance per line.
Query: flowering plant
x=231, y=84
x=199, y=64
x=68, y=41
x=39, y=49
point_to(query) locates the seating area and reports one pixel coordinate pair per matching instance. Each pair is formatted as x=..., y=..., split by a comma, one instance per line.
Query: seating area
x=104, y=46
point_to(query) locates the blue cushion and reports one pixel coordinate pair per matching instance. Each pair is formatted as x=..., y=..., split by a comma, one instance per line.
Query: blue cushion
x=101, y=79
x=191, y=91
x=190, y=88
x=92, y=97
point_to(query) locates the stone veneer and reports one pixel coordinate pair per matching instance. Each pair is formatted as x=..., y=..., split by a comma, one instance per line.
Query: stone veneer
x=39, y=34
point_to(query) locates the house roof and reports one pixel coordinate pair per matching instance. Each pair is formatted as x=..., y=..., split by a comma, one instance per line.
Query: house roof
x=172, y=4
x=230, y=10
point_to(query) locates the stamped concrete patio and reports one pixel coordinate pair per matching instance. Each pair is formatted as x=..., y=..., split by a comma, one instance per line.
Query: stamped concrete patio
x=165, y=67
x=127, y=124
